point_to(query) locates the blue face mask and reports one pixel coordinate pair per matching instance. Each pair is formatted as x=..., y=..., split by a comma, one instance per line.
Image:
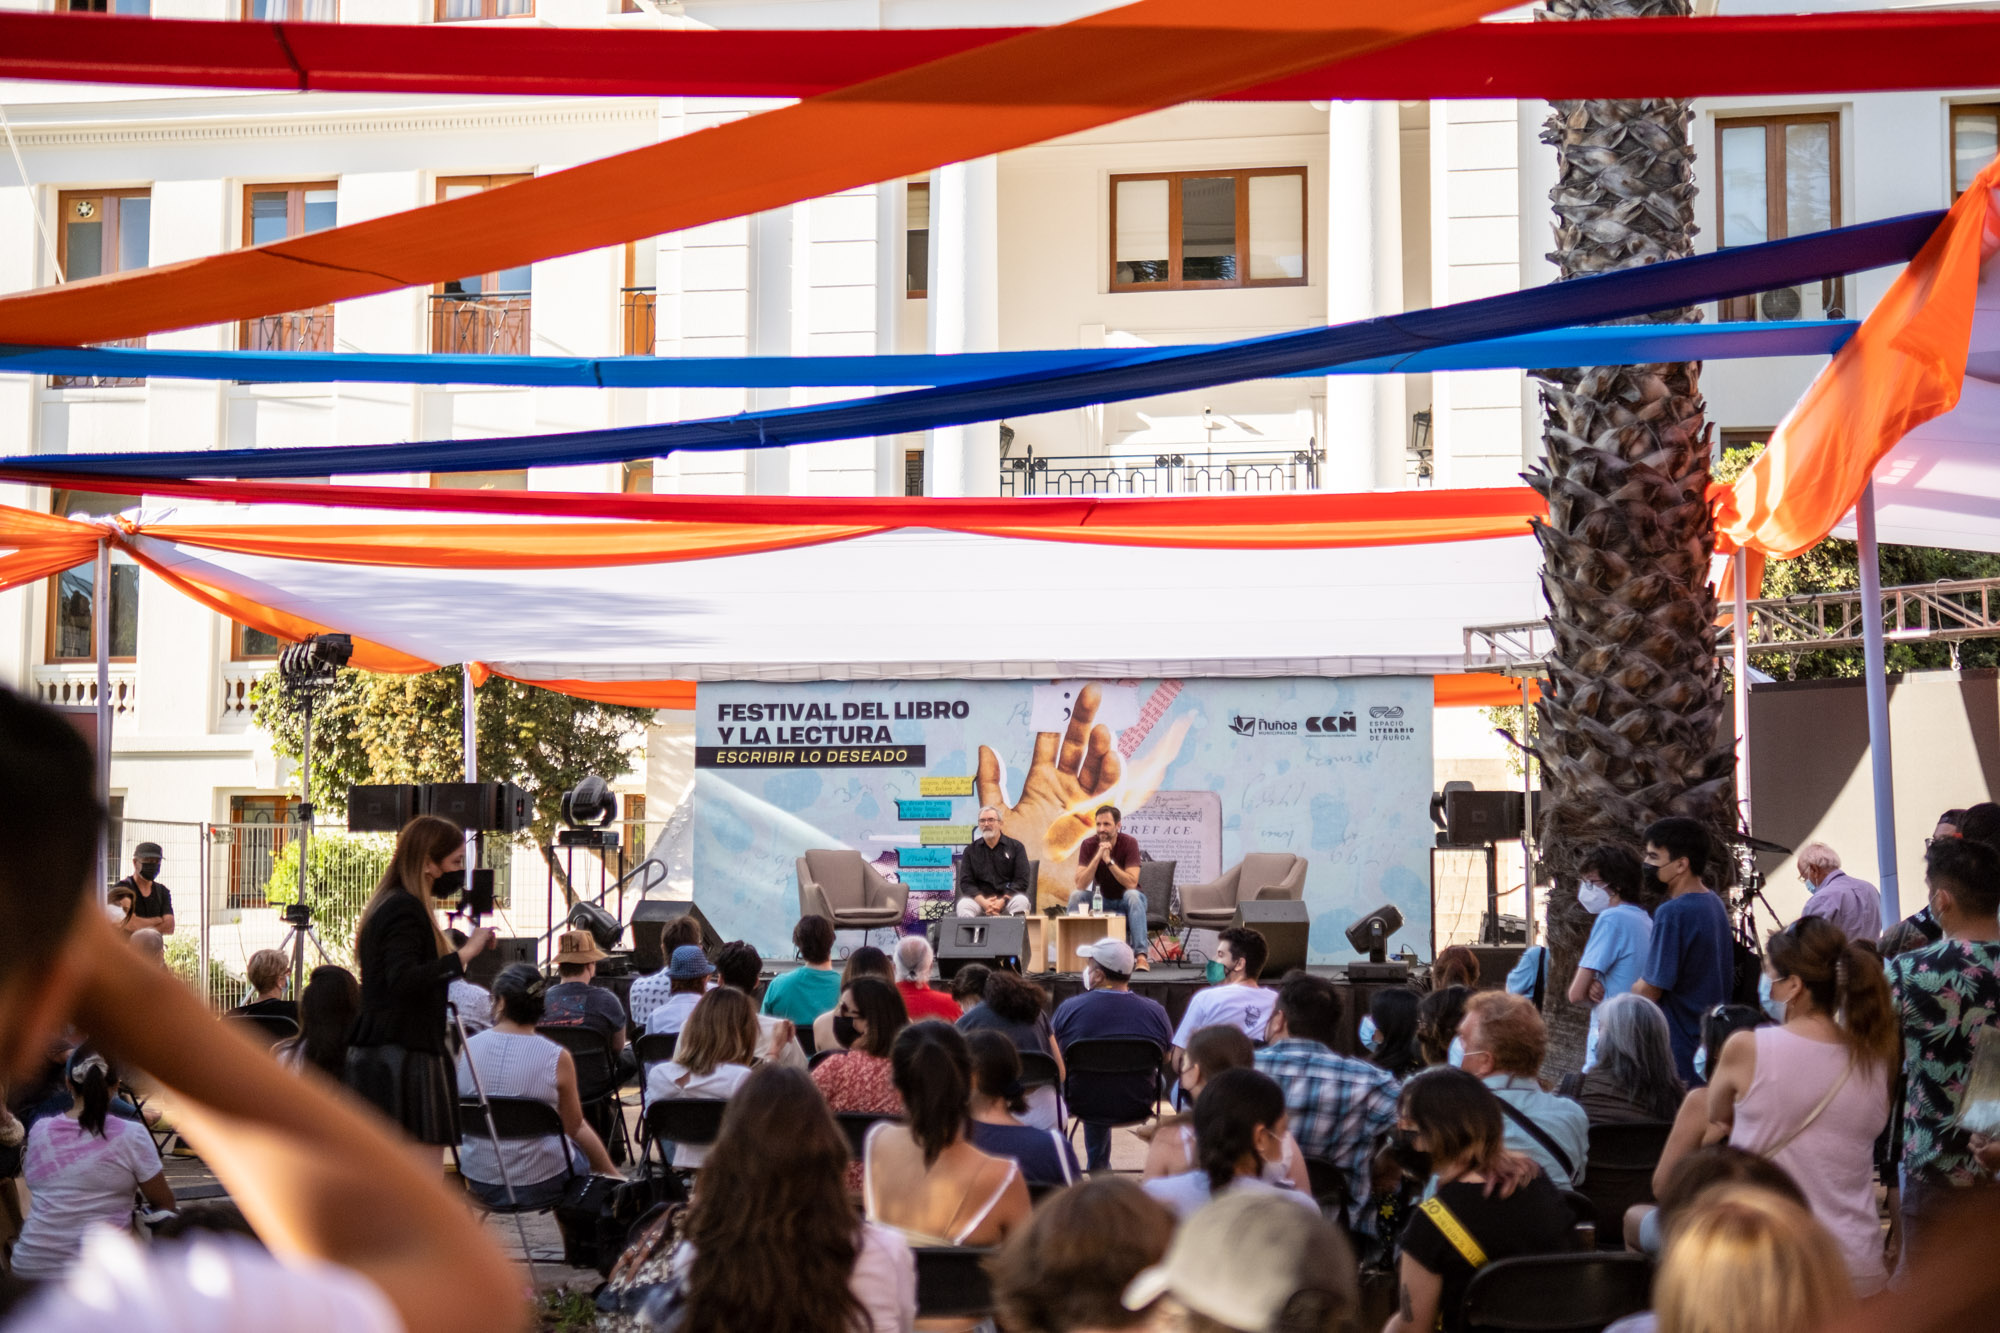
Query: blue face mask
x=1775, y=1008
x=1701, y=1064
x=1368, y=1033
x=1456, y=1053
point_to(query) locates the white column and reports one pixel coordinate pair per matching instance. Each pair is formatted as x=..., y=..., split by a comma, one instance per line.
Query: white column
x=774, y=322
x=1538, y=176
x=1877, y=672
x=1367, y=423
x=964, y=313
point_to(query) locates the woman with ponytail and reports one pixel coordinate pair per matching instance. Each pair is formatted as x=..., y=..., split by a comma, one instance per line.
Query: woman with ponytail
x=924, y=1177
x=81, y=1168
x=1239, y=1130
x=1812, y=1094
x=397, y=1059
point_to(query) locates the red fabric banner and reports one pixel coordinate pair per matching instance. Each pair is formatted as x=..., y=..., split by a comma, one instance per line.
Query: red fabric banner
x=1682, y=57
x=1025, y=89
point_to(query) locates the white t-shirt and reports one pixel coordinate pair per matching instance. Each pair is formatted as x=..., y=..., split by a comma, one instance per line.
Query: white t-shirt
x=1246, y=1007
x=671, y=1014
x=207, y=1284
x=884, y=1280
x=663, y=1083
x=78, y=1181
x=1188, y=1191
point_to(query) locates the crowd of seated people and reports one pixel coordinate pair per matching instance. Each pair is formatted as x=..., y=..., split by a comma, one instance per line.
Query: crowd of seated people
x=1769, y=1118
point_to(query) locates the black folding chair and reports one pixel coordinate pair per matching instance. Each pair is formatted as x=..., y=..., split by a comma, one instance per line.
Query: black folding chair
x=1556, y=1293
x=1038, y=1071
x=952, y=1282
x=694, y=1121
x=856, y=1124
x=266, y=1029
x=514, y=1119
x=1619, y=1173
x=654, y=1048
x=1329, y=1188
x=820, y=1057
x=1112, y=1081
x=597, y=1083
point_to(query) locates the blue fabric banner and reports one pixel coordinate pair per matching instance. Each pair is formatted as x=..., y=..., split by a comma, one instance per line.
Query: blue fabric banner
x=1628, y=294
x=1624, y=344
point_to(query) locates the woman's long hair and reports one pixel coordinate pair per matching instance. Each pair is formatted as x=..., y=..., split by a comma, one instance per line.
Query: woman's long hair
x=1635, y=1055
x=882, y=1009
x=721, y=1030
x=425, y=838
x=1438, y=1015
x=1458, y=1116
x=996, y=1069
x=91, y=1075
x=1846, y=984
x=774, y=1235
x=327, y=1007
x=1395, y=1014
x=866, y=961
x=932, y=1068
x=1232, y=1107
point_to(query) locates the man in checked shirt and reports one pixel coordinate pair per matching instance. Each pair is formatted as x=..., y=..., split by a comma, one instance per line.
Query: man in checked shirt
x=1338, y=1106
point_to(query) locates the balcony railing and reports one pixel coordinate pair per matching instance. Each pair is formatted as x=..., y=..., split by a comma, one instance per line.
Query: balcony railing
x=101, y=381
x=1825, y=299
x=482, y=324
x=1235, y=470
x=74, y=685
x=641, y=332
x=296, y=331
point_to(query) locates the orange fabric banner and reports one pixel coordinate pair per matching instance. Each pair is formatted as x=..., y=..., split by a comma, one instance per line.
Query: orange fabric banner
x=1904, y=366
x=1027, y=89
x=501, y=545
x=1480, y=689
x=675, y=694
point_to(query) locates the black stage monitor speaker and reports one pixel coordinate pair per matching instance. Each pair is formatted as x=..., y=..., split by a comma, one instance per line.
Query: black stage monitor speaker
x=1284, y=925
x=997, y=941
x=1477, y=818
x=650, y=918
x=477, y=807
x=1495, y=962
x=504, y=951
x=381, y=809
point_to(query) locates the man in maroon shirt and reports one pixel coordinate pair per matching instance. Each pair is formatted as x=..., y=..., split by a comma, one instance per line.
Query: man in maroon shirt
x=1108, y=862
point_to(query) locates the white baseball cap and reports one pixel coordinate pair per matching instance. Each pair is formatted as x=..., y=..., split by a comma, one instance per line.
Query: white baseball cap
x=1109, y=954
x=1254, y=1261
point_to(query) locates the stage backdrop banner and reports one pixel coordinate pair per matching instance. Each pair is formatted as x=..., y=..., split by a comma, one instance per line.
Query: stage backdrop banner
x=1335, y=770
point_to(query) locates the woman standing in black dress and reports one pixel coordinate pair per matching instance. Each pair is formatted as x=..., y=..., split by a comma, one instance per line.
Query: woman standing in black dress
x=397, y=1058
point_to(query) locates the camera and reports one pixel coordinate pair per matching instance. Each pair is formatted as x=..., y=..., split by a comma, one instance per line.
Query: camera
x=297, y=914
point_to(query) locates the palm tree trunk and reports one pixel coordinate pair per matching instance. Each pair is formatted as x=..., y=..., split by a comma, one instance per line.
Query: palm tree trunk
x=1631, y=718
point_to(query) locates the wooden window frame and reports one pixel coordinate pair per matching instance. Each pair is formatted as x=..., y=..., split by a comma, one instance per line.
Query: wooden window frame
x=63, y=198
x=53, y=590
x=1243, y=177
x=294, y=12
x=1776, y=192
x=488, y=182
x=1951, y=137
x=446, y=481
x=237, y=653
x=295, y=209
x=916, y=293
x=110, y=7
x=488, y=10
x=633, y=300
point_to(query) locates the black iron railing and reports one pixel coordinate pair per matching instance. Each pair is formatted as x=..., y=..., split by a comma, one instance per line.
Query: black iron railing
x=480, y=323
x=1217, y=472
x=101, y=381
x=294, y=331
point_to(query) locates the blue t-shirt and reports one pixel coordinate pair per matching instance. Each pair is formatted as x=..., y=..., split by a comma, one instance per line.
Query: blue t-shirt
x=802, y=994
x=1044, y=1154
x=1112, y=1013
x=1616, y=951
x=1527, y=971
x=1691, y=959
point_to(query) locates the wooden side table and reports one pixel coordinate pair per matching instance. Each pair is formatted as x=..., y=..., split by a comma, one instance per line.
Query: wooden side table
x=1037, y=958
x=1080, y=928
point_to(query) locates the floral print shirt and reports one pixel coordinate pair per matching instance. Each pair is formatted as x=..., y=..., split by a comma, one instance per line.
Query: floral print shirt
x=1946, y=996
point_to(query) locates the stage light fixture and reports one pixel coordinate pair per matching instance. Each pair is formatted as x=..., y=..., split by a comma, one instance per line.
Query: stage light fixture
x=312, y=661
x=1370, y=935
x=589, y=804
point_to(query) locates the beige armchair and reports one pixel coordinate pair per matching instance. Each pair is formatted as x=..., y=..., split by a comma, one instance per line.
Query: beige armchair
x=842, y=887
x=1212, y=906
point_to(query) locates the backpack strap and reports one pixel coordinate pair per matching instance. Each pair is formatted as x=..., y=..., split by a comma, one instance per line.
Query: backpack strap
x=1538, y=1134
x=1453, y=1231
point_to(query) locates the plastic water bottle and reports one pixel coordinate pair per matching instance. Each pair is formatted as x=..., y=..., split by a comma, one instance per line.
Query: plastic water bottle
x=1097, y=899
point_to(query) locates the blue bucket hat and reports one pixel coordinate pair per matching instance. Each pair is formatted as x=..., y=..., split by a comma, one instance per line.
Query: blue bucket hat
x=689, y=962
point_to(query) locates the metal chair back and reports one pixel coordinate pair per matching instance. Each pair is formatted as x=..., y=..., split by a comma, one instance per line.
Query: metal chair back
x=1112, y=1080
x=952, y=1282
x=1557, y=1293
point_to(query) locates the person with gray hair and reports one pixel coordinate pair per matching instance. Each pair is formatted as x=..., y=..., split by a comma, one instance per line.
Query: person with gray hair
x=913, y=981
x=1853, y=904
x=150, y=945
x=1633, y=1079
x=993, y=872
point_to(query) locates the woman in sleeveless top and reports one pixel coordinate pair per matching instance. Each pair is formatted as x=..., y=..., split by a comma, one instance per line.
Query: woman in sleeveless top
x=1210, y=1051
x=1044, y=1155
x=1813, y=1094
x=511, y=1060
x=925, y=1178
x=712, y=1058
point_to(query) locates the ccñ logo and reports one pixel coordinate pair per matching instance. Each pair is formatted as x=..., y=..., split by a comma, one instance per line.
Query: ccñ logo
x=1334, y=724
x=1386, y=710
x=1243, y=726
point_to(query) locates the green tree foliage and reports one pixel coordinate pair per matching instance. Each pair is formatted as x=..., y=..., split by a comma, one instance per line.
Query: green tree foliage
x=1834, y=566
x=345, y=868
x=379, y=728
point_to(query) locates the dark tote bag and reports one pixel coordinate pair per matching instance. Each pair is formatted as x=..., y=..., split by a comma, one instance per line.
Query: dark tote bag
x=416, y=1089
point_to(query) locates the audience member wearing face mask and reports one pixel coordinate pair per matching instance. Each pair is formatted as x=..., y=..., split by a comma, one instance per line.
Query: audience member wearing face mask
x=1621, y=933
x=1239, y=1132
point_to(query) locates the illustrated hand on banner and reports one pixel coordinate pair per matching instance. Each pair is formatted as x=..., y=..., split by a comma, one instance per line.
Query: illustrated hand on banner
x=1070, y=775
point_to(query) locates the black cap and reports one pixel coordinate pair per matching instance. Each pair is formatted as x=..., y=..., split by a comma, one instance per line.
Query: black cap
x=148, y=849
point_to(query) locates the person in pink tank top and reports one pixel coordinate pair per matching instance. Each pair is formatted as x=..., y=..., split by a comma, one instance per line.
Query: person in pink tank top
x=1813, y=1094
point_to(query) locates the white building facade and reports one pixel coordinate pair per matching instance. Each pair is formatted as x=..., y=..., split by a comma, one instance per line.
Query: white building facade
x=1204, y=222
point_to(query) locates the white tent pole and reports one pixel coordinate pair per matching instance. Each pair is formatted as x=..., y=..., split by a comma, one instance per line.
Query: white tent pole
x=100, y=633
x=1740, y=637
x=1877, y=674
x=472, y=847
